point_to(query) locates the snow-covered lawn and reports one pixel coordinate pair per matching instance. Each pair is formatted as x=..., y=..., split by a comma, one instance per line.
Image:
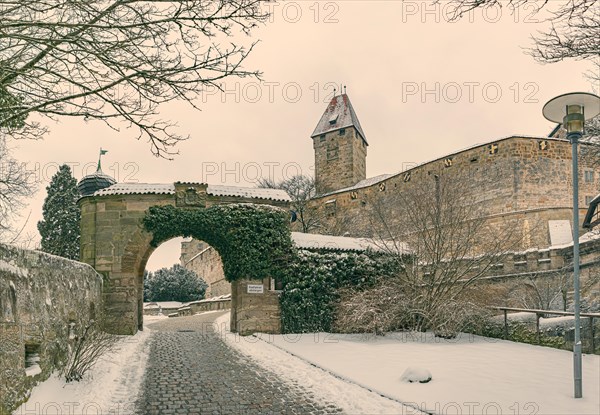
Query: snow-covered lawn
x=111, y=387
x=471, y=375
x=362, y=375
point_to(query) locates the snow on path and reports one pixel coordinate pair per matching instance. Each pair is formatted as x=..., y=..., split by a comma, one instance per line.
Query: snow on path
x=471, y=375
x=351, y=398
x=110, y=387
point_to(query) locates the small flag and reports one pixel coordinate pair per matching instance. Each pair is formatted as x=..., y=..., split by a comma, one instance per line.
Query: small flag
x=103, y=152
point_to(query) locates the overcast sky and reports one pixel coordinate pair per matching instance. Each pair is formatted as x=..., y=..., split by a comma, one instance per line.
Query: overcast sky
x=421, y=87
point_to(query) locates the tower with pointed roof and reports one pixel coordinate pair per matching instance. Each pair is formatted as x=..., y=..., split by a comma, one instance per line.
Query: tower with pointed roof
x=89, y=184
x=340, y=147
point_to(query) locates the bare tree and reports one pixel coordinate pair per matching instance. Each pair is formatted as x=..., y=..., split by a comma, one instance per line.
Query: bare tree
x=574, y=31
x=15, y=186
x=301, y=190
x=545, y=292
x=116, y=60
x=442, y=224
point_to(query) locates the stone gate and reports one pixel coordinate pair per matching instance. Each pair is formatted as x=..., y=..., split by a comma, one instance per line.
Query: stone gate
x=115, y=243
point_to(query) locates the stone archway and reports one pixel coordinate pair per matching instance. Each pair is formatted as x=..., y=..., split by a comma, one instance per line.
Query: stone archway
x=116, y=243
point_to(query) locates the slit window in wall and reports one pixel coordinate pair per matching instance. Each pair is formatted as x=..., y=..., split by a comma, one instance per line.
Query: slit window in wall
x=342, y=131
x=322, y=137
x=32, y=359
x=588, y=176
x=330, y=208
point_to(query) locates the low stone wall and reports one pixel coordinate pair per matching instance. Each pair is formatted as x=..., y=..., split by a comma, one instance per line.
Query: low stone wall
x=254, y=311
x=40, y=296
x=209, y=305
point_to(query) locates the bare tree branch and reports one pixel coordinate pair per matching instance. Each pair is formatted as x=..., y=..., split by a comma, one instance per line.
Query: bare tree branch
x=117, y=60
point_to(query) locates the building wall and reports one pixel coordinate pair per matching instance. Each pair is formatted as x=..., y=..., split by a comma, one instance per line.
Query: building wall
x=340, y=160
x=40, y=296
x=522, y=178
x=205, y=261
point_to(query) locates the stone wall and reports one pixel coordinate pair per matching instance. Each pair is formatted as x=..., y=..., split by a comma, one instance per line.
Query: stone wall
x=40, y=296
x=523, y=178
x=206, y=262
x=254, y=312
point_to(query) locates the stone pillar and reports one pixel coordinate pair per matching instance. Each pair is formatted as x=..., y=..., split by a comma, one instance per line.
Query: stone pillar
x=254, y=311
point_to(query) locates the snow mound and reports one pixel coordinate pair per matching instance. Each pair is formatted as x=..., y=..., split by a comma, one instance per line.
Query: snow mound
x=416, y=374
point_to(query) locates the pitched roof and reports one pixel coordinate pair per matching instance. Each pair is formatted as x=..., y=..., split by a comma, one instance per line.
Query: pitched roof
x=339, y=114
x=215, y=190
x=313, y=241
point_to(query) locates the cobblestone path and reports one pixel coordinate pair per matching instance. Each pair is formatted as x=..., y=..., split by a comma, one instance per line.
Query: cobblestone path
x=192, y=371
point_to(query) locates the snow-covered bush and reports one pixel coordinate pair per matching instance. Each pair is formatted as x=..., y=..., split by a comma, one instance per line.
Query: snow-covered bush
x=391, y=304
x=86, y=344
x=313, y=282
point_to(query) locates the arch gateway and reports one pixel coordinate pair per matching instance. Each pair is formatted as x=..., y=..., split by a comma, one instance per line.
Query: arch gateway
x=114, y=239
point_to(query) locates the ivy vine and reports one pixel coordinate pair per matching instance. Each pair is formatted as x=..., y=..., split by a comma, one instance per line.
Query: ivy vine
x=253, y=240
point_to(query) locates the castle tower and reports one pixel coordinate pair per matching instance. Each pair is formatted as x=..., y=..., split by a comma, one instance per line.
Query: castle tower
x=340, y=147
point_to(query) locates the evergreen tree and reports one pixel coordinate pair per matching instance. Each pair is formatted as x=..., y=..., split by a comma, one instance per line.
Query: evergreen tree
x=60, y=227
x=173, y=284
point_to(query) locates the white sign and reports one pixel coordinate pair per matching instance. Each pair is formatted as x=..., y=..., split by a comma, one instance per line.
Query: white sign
x=256, y=289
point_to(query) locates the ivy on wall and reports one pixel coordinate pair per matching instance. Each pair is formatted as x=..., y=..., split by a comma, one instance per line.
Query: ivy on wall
x=312, y=282
x=253, y=240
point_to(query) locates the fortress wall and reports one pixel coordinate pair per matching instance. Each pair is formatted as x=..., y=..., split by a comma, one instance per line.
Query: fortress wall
x=527, y=179
x=41, y=296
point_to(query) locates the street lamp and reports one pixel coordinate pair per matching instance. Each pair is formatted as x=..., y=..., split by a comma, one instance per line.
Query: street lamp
x=572, y=110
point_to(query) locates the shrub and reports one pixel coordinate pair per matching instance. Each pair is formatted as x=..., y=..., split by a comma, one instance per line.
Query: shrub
x=87, y=343
x=174, y=284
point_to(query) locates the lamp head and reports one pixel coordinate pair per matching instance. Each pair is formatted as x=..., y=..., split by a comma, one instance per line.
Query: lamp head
x=572, y=110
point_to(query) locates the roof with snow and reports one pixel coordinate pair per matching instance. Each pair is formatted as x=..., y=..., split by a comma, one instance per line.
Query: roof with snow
x=313, y=241
x=339, y=114
x=91, y=183
x=214, y=190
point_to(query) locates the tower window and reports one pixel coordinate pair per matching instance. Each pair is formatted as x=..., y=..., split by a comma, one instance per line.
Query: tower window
x=342, y=131
x=322, y=137
x=589, y=176
x=588, y=200
x=333, y=119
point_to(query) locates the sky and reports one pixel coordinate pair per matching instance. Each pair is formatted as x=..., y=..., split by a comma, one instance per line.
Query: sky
x=421, y=86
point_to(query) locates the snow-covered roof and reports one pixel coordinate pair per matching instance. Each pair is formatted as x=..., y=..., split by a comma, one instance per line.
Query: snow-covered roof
x=339, y=114
x=331, y=243
x=378, y=179
x=137, y=189
x=560, y=232
x=258, y=193
x=163, y=304
x=215, y=190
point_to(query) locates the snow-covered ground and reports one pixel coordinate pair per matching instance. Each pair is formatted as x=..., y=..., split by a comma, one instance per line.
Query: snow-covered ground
x=362, y=375
x=110, y=387
x=471, y=375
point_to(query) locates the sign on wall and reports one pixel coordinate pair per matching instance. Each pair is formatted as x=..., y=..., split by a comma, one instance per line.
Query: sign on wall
x=256, y=288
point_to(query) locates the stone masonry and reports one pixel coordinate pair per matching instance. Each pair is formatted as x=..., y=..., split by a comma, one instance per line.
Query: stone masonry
x=115, y=243
x=523, y=178
x=41, y=296
x=205, y=261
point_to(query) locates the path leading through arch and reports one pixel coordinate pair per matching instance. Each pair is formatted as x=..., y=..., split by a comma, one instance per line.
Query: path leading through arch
x=191, y=370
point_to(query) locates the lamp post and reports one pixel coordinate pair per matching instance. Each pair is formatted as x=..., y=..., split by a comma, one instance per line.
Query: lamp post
x=572, y=110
